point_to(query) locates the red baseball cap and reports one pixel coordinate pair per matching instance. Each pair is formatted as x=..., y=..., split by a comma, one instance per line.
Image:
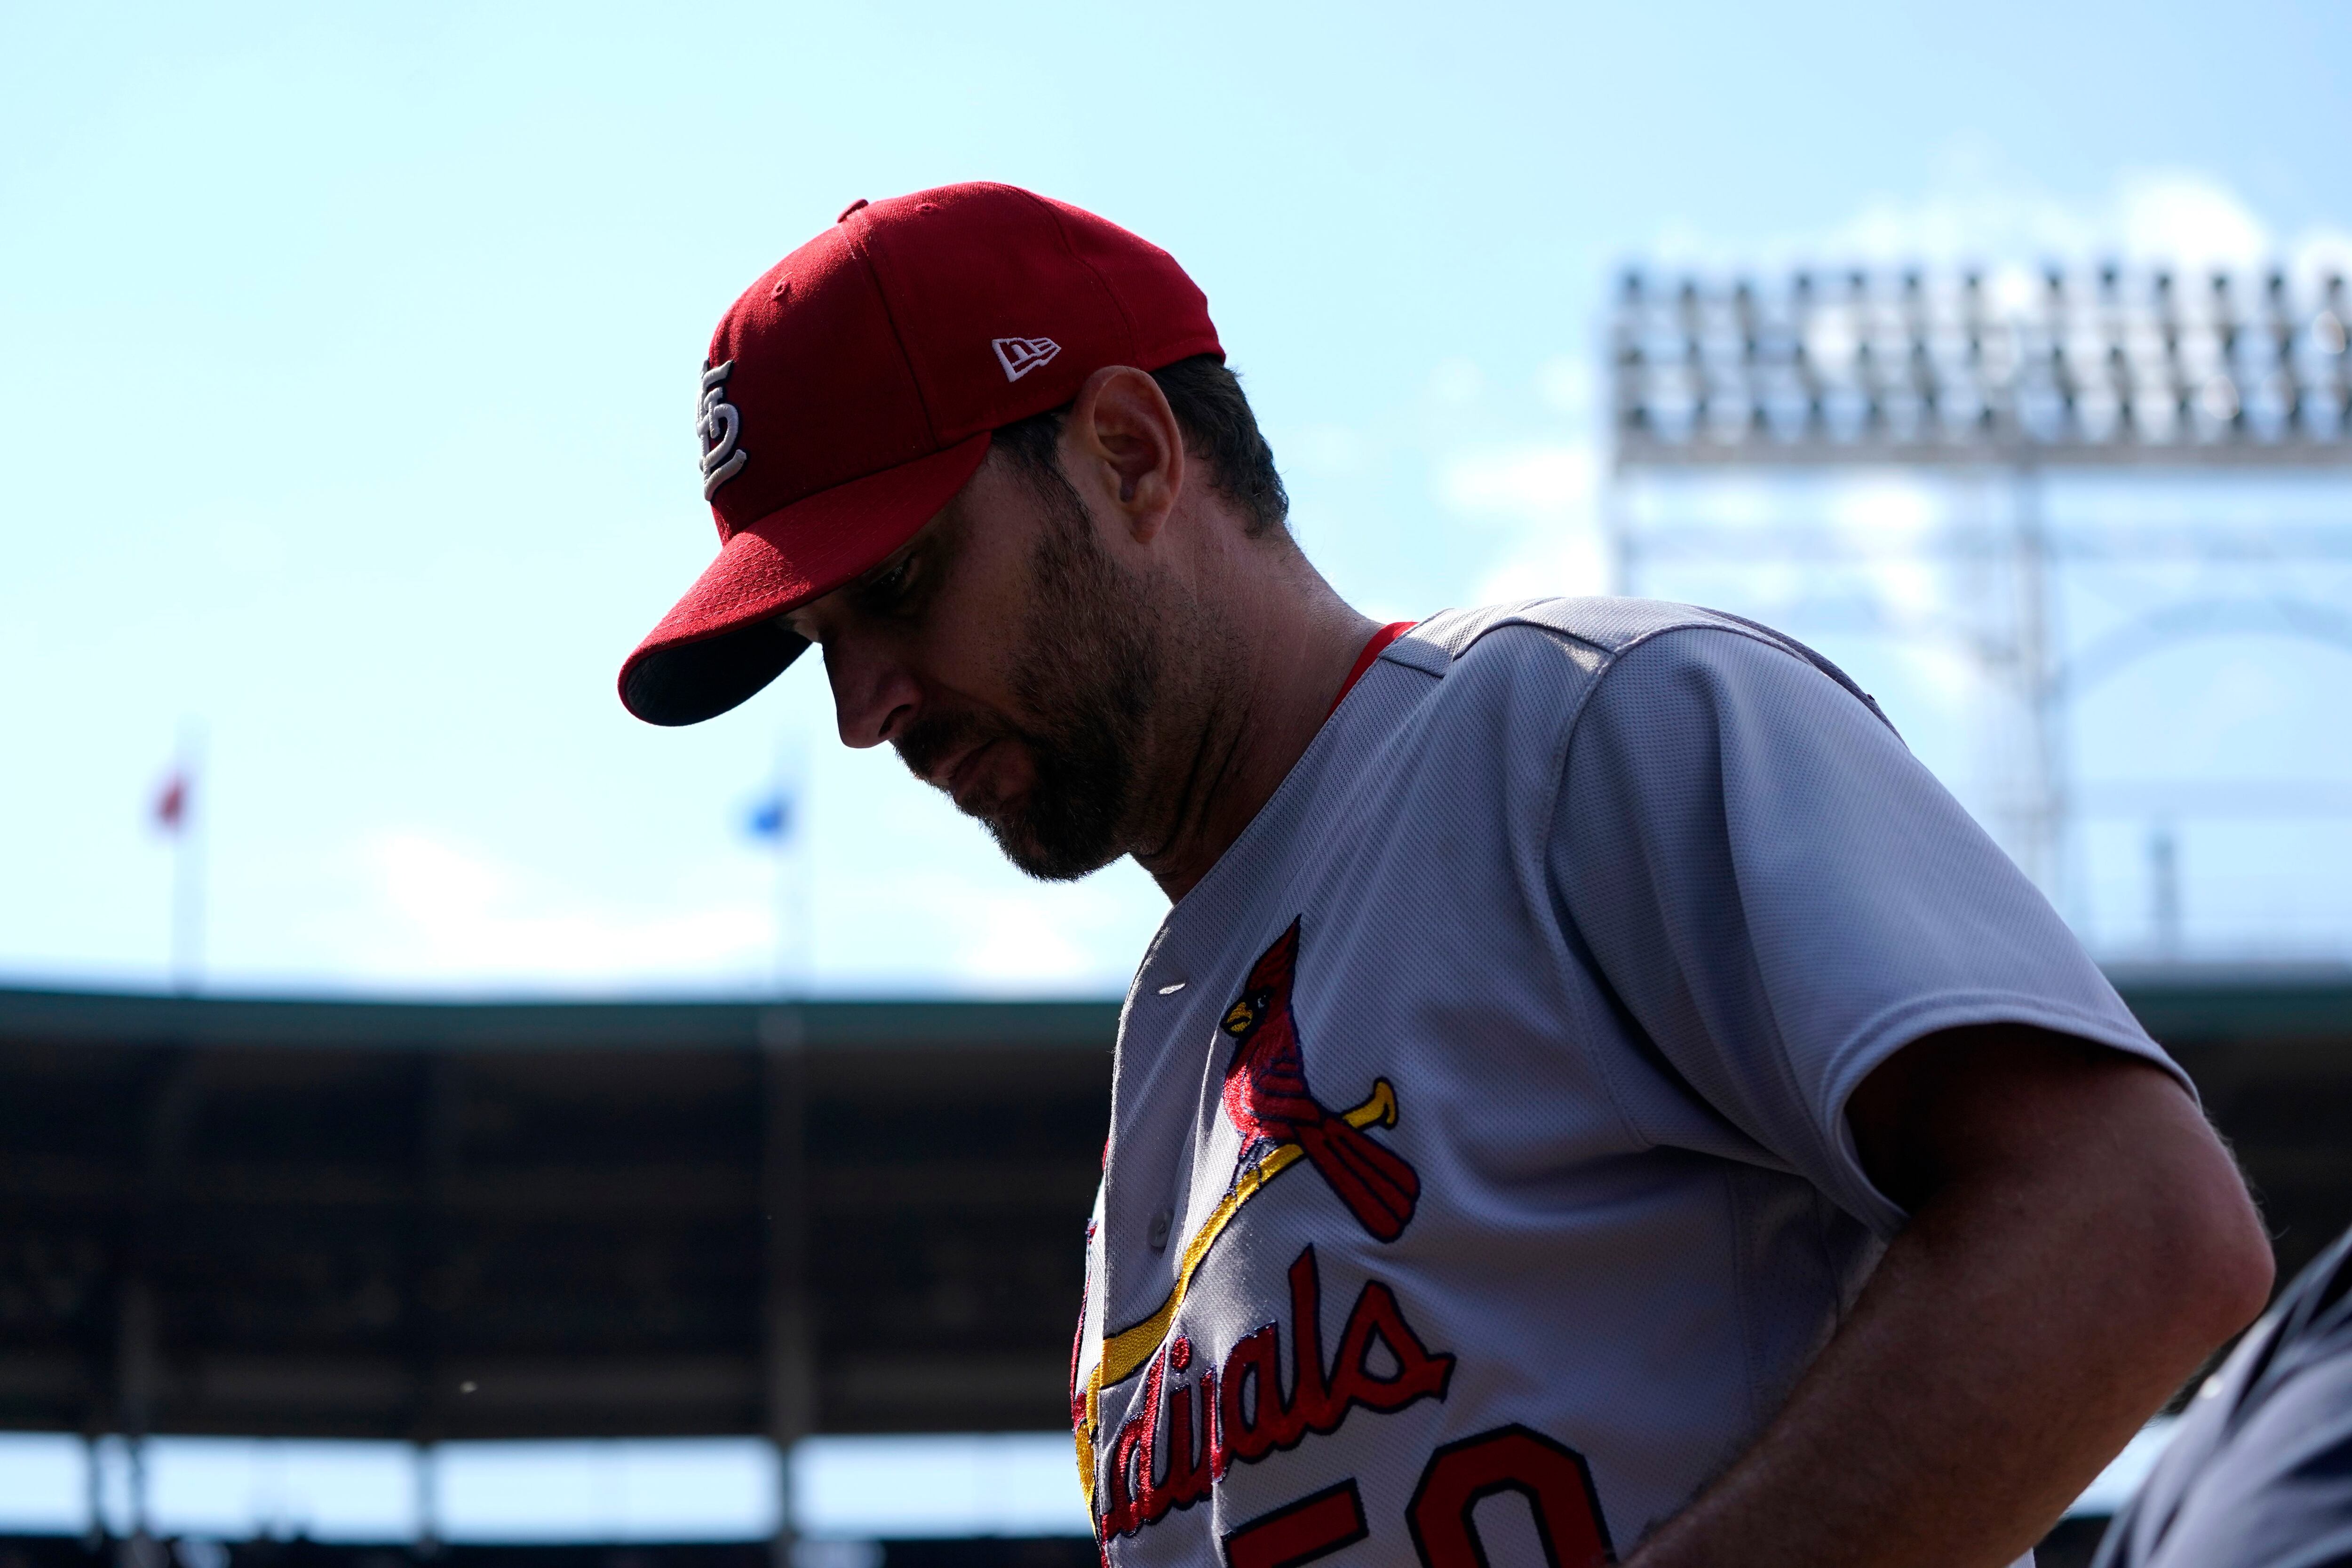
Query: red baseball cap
x=851, y=392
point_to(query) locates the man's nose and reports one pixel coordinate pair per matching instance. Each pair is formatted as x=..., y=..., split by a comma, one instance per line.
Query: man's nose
x=874, y=697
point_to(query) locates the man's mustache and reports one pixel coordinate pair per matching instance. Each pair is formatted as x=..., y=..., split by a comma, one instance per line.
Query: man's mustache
x=933, y=738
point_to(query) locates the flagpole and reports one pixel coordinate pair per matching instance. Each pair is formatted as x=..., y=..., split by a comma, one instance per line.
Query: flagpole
x=784, y=915
x=776, y=817
x=791, y=977
x=188, y=870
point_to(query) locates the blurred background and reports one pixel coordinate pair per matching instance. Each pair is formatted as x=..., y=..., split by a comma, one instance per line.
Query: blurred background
x=439, y=1114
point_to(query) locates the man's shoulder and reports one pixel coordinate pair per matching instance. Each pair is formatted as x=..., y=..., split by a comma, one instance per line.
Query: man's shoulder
x=1605, y=626
x=1568, y=645
x=1559, y=645
x=1531, y=666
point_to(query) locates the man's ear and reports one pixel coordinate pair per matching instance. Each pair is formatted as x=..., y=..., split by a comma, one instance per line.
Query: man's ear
x=1122, y=438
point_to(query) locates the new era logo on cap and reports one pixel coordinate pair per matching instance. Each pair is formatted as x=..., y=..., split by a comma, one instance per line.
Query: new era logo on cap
x=1019, y=356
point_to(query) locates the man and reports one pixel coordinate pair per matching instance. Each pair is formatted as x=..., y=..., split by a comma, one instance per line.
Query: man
x=2258, y=1472
x=1594, y=1097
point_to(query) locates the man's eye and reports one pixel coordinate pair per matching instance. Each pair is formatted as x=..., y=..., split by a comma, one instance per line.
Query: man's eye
x=891, y=582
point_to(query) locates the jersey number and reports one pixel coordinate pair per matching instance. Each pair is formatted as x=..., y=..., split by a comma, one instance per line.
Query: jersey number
x=1554, y=1480
x=1458, y=1476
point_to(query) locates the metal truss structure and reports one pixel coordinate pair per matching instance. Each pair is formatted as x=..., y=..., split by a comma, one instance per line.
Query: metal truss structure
x=1988, y=381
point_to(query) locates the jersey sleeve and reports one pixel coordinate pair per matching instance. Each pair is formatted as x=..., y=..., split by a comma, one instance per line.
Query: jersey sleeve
x=1781, y=896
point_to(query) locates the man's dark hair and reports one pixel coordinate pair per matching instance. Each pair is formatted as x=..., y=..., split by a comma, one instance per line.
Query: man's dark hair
x=1218, y=427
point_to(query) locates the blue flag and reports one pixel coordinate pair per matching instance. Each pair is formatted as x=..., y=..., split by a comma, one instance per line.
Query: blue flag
x=772, y=817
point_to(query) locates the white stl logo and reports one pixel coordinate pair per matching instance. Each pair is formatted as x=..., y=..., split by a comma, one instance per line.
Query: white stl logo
x=1019, y=356
x=718, y=422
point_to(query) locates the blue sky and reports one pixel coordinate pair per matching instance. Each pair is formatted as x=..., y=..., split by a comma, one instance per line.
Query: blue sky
x=346, y=358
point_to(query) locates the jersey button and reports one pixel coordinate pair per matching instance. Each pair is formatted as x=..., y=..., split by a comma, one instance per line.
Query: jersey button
x=1160, y=1222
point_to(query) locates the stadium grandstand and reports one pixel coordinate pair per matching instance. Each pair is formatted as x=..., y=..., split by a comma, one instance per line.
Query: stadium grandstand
x=439, y=1223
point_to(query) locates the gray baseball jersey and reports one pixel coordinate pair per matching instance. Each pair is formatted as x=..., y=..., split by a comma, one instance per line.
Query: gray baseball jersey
x=1479, y=1181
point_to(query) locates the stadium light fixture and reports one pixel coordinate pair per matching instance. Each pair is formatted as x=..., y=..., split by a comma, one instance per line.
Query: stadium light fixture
x=2099, y=366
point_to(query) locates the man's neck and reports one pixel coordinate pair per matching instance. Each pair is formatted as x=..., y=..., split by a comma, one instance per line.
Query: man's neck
x=1298, y=640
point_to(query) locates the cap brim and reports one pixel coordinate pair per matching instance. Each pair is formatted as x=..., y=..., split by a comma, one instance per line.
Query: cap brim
x=722, y=642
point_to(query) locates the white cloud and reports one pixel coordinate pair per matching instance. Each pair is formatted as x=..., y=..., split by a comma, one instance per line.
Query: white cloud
x=1456, y=381
x=1544, y=496
x=430, y=882
x=2319, y=252
x=1886, y=522
x=992, y=931
x=1976, y=210
x=432, y=911
x=2187, y=220
x=1547, y=483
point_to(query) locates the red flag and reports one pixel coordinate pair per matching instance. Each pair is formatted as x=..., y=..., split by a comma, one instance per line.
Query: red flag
x=171, y=804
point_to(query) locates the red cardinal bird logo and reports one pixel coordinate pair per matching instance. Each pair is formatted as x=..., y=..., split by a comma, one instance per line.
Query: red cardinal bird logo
x=1266, y=1095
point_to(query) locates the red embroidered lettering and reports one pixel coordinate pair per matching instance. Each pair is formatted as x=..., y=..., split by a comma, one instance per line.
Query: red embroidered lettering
x=1119, y=1512
x=1249, y=1396
x=1376, y=1319
x=1213, y=1421
x=1173, y=1475
x=1187, y=1479
x=1242, y=1413
x=1309, y=1408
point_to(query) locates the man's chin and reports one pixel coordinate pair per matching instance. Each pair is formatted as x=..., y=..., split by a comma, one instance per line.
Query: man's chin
x=1034, y=856
x=1011, y=823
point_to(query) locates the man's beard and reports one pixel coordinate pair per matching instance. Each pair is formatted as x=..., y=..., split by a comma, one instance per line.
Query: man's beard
x=1084, y=673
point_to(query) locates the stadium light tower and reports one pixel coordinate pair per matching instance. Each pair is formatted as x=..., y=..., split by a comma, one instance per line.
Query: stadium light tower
x=1987, y=374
